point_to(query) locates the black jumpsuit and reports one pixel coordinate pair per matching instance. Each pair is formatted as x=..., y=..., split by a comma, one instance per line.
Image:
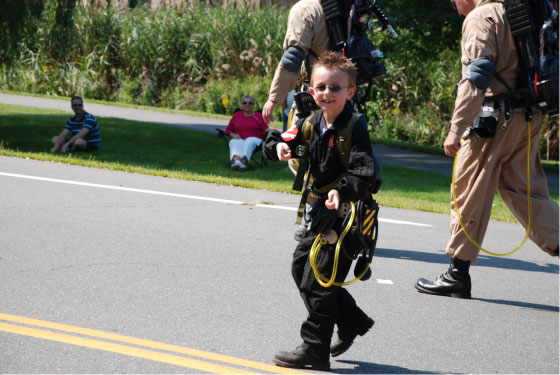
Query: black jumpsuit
x=333, y=305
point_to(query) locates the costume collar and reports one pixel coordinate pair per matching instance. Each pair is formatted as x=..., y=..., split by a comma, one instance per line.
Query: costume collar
x=341, y=121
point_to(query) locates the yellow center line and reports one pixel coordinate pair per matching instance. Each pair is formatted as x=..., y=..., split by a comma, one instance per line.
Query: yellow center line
x=141, y=342
x=122, y=349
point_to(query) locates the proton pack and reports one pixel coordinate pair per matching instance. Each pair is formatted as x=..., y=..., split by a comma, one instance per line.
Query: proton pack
x=534, y=25
x=348, y=34
x=348, y=28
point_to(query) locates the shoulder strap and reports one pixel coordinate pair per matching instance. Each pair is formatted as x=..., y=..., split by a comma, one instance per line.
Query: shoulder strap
x=307, y=129
x=344, y=142
x=303, y=163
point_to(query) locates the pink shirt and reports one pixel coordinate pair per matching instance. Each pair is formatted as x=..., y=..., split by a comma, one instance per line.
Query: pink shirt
x=247, y=126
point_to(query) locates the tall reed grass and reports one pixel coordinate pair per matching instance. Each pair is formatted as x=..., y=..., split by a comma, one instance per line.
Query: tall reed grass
x=157, y=58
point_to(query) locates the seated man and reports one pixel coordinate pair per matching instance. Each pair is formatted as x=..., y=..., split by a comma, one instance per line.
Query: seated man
x=84, y=130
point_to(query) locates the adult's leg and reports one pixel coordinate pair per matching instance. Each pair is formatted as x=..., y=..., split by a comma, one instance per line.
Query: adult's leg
x=249, y=146
x=235, y=149
x=476, y=179
x=79, y=145
x=513, y=187
x=58, y=142
x=477, y=173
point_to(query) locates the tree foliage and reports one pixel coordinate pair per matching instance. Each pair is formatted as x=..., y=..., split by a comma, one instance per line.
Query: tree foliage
x=17, y=18
x=24, y=20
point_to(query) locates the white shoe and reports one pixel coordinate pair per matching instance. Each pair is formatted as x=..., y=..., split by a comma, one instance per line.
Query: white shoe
x=238, y=166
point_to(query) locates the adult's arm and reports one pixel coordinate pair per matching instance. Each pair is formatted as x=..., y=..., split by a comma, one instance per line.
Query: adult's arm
x=80, y=135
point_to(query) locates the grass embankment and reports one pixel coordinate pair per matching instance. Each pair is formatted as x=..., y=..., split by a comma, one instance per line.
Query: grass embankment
x=178, y=153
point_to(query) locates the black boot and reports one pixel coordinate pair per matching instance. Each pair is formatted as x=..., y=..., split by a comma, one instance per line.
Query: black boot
x=304, y=356
x=456, y=282
x=344, y=341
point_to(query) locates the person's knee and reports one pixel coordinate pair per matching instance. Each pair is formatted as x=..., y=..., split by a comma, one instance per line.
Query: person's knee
x=79, y=144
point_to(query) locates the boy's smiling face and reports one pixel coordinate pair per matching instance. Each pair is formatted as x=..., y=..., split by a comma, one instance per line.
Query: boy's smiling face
x=325, y=83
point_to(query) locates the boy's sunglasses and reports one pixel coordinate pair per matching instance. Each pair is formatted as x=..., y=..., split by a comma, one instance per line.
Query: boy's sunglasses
x=76, y=105
x=249, y=103
x=332, y=88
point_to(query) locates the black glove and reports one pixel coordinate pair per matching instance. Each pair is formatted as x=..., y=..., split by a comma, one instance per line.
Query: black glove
x=321, y=219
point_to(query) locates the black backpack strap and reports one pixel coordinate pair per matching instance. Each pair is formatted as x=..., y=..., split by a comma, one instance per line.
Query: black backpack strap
x=502, y=81
x=303, y=149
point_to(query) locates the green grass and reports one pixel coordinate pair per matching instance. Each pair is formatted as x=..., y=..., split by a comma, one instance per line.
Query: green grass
x=178, y=153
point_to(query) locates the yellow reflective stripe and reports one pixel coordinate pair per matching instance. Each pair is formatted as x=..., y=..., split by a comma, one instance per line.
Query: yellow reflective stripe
x=368, y=222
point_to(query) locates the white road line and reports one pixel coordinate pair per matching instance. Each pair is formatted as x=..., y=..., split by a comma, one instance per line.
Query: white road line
x=381, y=281
x=196, y=197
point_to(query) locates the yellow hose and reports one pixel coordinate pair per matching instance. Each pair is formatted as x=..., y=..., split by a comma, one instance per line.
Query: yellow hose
x=290, y=118
x=528, y=200
x=322, y=279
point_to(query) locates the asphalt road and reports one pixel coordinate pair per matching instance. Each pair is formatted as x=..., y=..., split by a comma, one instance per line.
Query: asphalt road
x=112, y=272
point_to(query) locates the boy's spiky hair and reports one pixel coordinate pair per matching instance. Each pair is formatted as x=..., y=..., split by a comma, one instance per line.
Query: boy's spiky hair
x=331, y=59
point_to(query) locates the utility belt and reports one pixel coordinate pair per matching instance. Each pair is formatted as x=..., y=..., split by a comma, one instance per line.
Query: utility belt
x=484, y=125
x=343, y=210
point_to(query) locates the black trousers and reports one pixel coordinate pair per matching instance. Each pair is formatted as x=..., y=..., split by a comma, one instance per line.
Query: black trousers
x=326, y=306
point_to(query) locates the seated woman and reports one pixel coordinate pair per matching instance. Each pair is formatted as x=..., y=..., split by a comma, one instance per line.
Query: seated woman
x=247, y=129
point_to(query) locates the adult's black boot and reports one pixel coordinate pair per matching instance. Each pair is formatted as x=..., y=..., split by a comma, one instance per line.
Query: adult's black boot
x=304, y=356
x=345, y=339
x=456, y=282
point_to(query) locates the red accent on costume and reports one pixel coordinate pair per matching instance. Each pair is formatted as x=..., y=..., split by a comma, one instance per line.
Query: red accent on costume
x=290, y=134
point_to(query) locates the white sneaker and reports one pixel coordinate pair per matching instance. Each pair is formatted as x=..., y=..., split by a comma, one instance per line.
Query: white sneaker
x=242, y=167
x=238, y=165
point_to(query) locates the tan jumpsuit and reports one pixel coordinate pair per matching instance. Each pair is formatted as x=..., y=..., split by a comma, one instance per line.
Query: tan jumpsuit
x=307, y=30
x=499, y=163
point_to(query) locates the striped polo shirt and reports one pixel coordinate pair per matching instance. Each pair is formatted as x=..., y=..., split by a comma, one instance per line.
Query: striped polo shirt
x=89, y=121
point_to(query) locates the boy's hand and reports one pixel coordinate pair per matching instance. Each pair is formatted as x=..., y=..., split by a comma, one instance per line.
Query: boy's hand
x=283, y=151
x=333, y=200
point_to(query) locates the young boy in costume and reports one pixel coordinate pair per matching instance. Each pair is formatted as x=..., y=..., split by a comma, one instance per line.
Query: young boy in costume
x=334, y=182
